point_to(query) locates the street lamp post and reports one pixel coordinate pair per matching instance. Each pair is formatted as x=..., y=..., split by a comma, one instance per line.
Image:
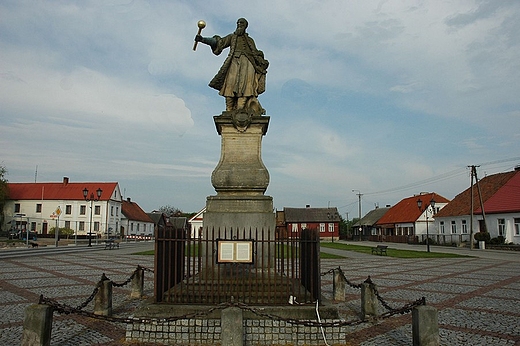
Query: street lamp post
x=91, y=199
x=426, y=207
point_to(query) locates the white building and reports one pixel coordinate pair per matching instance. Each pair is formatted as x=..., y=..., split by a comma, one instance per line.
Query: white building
x=501, y=202
x=82, y=207
x=136, y=224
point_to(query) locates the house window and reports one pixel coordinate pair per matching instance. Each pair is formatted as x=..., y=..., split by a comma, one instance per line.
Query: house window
x=502, y=227
x=331, y=228
x=81, y=225
x=464, y=227
x=39, y=208
x=17, y=207
x=442, y=226
x=453, y=227
x=97, y=210
x=117, y=211
x=304, y=225
x=322, y=227
x=112, y=210
x=517, y=226
x=68, y=209
x=67, y=224
x=82, y=209
x=96, y=226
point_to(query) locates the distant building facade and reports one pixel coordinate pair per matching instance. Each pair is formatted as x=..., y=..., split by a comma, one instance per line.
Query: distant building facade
x=405, y=222
x=40, y=206
x=136, y=224
x=500, y=195
x=291, y=221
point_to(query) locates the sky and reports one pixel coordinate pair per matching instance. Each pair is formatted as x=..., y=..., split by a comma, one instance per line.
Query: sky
x=385, y=99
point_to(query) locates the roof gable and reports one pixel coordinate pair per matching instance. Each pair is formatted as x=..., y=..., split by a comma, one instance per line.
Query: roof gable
x=311, y=214
x=406, y=211
x=372, y=217
x=132, y=211
x=505, y=199
x=59, y=191
x=489, y=186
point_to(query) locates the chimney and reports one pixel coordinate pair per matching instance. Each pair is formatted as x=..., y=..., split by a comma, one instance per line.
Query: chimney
x=307, y=206
x=129, y=200
x=65, y=180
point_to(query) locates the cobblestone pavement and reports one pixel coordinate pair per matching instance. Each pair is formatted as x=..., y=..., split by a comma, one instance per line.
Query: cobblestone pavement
x=478, y=299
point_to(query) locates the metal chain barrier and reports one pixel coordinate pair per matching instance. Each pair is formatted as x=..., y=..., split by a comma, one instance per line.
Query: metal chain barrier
x=67, y=309
x=86, y=302
x=391, y=311
x=343, y=277
x=115, y=284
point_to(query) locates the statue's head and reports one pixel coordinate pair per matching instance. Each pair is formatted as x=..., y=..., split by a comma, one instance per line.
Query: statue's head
x=241, y=26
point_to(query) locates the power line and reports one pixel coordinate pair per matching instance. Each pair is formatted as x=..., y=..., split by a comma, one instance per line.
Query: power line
x=444, y=176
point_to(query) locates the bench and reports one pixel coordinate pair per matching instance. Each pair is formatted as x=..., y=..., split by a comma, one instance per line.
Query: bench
x=379, y=250
x=111, y=244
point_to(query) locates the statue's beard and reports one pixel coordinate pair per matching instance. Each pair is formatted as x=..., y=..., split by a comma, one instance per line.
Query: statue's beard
x=240, y=32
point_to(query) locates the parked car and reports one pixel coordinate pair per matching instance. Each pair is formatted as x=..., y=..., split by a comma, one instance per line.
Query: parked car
x=17, y=234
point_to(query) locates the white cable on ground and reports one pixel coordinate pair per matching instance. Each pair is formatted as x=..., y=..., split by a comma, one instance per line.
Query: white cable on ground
x=321, y=327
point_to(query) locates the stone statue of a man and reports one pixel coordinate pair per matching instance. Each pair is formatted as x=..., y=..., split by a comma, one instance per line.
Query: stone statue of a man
x=242, y=76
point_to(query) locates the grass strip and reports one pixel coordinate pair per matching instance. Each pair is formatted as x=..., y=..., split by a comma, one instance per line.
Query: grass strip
x=391, y=252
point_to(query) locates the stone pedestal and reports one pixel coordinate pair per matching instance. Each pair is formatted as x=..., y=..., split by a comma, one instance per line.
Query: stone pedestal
x=240, y=180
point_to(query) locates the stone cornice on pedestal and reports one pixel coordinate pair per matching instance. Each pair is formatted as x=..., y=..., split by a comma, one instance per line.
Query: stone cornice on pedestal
x=233, y=118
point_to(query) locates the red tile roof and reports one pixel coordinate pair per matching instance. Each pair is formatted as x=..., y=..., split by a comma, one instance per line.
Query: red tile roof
x=500, y=193
x=58, y=191
x=406, y=211
x=133, y=211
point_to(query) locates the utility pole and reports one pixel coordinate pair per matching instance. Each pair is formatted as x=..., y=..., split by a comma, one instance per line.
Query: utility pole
x=359, y=194
x=471, y=239
x=474, y=174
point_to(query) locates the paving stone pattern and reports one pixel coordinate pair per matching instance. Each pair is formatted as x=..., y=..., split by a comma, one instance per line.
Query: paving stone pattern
x=478, y=298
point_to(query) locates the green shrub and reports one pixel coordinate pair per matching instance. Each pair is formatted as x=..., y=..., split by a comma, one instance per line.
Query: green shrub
x=482, y=236
x=500, y=240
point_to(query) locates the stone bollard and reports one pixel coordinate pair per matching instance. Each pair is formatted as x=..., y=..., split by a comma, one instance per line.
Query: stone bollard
x=137, y=283
x=425, y=326
x=37, y=326
x=103, y=298
x=368, y=300
x=232, y=327
x=338, y=286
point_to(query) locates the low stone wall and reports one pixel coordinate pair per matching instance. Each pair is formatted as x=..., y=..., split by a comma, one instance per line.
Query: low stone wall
x=256, y=332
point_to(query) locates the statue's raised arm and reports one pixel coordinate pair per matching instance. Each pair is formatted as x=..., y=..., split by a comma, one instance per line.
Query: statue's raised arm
x=242, y=75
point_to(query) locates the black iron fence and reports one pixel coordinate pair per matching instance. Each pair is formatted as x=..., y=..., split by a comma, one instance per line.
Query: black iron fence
x=237, y=265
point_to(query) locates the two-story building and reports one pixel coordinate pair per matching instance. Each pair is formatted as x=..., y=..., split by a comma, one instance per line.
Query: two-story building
x=83, y=207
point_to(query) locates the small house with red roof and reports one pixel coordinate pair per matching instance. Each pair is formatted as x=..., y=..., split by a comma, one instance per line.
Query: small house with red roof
x=136, y=224
x=500, y=195
x=406, y=222
x=40, y=206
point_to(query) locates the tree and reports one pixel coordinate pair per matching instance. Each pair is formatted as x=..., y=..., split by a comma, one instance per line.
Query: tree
x=4, y=193
x=170, y=210
x=345, y=227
